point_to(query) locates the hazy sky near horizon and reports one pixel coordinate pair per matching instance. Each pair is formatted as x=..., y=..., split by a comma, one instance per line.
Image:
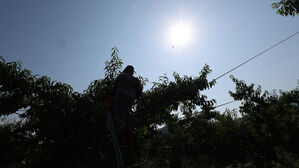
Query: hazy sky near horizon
x=70, y=40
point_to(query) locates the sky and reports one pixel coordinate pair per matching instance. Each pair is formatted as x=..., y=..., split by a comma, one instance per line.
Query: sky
x=70, y=40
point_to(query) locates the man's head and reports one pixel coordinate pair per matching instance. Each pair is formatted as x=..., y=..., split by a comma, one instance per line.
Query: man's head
x=129, y=70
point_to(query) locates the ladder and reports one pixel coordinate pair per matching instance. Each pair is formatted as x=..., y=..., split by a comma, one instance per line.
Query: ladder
x=118, y=155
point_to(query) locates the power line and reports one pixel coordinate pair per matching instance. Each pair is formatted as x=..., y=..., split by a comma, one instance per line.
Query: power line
x=257, y=55
x=224, y=104
x=250, y=60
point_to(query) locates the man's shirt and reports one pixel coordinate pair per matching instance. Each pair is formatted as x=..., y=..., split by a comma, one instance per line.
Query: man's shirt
x=128, y=86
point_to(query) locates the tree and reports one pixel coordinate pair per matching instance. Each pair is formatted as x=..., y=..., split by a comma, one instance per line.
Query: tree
x=272, y=120
x=287, y=7
x=62, y=128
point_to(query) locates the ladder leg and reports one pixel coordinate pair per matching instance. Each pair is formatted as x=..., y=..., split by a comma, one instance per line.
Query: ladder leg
x=115, y=141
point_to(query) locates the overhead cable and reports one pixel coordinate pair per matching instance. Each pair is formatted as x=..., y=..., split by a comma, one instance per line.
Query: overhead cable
x=250, y=60
x=257, y=55
x=224, y=104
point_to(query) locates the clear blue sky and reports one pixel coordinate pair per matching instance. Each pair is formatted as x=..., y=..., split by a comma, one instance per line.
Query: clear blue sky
x=69, y=40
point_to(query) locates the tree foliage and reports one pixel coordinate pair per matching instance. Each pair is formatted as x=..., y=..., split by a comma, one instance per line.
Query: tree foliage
x=62, y=128
x=287, y=7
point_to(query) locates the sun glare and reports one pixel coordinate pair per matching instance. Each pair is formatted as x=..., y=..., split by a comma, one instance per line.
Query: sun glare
x=180, y=34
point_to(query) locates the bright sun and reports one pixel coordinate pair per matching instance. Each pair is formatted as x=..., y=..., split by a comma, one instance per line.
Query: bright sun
x=180, y=34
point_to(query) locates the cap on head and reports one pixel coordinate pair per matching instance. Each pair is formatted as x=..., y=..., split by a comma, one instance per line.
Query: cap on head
x=129, y=69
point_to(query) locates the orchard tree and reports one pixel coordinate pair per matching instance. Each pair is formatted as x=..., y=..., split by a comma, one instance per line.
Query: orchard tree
x=62, y=128
x=287, y=7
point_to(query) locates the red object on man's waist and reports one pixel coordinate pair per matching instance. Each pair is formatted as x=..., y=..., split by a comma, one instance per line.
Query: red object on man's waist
x=109, y=104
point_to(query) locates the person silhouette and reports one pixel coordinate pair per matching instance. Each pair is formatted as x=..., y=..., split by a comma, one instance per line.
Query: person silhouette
x=128, y=89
